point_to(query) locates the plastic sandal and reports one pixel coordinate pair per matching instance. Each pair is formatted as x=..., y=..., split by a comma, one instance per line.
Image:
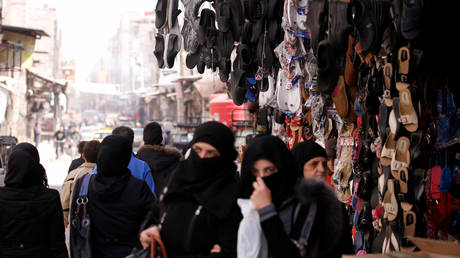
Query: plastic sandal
x=409, y=220
x=403, y=178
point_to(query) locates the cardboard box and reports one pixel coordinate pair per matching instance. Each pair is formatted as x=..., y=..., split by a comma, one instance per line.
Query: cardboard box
x=436, y=248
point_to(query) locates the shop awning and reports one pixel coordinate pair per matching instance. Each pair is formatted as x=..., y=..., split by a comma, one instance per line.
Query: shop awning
x=27, y=31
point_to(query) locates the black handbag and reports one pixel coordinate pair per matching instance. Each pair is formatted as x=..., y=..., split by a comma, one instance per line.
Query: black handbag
x=80, y=242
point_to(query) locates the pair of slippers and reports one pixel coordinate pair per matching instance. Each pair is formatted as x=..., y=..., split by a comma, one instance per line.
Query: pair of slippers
x=167, y=41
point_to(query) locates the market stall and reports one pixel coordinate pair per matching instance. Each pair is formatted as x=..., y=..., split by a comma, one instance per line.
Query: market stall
x=365, y=79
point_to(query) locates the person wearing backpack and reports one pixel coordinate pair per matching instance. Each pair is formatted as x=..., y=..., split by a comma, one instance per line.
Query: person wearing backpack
x=31, y=221
x=116, y=205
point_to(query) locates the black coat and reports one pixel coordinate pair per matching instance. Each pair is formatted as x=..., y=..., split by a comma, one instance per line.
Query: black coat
x=162, y=162
x=331, y=232
x=31, y=223
x=115, y=222
x=76, y=163
x=189, y=230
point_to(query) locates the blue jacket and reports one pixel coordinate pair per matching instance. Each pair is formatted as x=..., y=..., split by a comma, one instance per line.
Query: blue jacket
x=139, y=169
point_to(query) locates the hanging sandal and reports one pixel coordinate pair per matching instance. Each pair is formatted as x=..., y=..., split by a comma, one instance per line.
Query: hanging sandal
x=390, y=203
x=387, y=75
x=409, y=220
x=403, y=72
x=401, y=158
x=407, y=115
x=403, y=196
x=339, y=96
x=388, y=150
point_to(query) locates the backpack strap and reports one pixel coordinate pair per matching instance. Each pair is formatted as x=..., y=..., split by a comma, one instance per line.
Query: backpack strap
x=84, y=186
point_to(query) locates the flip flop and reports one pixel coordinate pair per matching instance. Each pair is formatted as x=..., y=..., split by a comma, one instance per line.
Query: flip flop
x=388, y=150
x=339, y=27
x=159, y=50
x=401, y=158
x=351, y=72
x=238, y=84
x=301, y=14
x=409, y=220
x=327, y=69
x=403, y=178
x=172, y=49
x=339, y=96
x=403, y=71
x=390, y=203
x=387, y=75
x=269, y=97
x=173, y=12
x=407, y=115
x=161, y=14
x=390, y=243
x=411, y=20
x=435, y=190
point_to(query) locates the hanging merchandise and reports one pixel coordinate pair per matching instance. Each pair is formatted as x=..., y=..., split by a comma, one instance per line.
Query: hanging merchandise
x=363, y=75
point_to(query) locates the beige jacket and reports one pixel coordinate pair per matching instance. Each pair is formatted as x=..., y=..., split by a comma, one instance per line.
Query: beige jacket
x=69, y=184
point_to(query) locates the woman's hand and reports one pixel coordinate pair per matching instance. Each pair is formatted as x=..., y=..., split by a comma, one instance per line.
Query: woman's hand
x=146, y=236
x=261, y=197
x=216, y=249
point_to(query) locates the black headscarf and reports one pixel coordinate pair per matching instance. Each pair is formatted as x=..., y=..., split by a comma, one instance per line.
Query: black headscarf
x=24, y=168
x=211, y=181
x=112, y=166
x=282, y=183
x=304, y=152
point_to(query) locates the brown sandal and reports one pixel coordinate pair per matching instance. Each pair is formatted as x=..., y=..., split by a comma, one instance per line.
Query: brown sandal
x=402, y=155
x=407, y=115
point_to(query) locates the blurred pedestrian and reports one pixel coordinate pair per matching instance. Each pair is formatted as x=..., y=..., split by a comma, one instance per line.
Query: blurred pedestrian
x=37, y=133
x=78, y=161
x=168, y=138
x=117, y=203
x=31, y=222
x=89, y=156
x=199, y=213
x=139, y=169
x=162, y=160
x=59, y=137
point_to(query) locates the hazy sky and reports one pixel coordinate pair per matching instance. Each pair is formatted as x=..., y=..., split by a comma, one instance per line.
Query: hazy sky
x=87, y=25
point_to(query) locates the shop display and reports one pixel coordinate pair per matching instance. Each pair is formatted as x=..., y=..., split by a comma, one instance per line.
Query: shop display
x=359, y=73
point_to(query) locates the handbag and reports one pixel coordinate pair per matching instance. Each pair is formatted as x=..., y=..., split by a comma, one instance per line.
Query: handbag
x=80, y=232
x=157, y=249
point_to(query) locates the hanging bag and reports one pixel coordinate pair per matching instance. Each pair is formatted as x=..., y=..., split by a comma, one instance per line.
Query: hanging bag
x=80, y=233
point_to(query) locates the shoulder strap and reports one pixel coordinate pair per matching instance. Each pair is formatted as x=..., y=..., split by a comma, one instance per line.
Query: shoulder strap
x=84, y=185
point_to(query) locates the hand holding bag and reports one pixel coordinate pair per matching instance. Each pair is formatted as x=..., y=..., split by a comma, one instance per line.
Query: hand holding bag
x=151, y=252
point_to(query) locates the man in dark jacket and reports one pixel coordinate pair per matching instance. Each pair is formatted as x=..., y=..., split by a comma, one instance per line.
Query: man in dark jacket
x=78, y=161
x=117, y=202
x=162, y=160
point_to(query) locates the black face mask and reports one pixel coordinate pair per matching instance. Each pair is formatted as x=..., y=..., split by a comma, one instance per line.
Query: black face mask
x=274, y=182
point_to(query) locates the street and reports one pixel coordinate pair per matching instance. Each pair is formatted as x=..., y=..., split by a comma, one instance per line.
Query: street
x=56, y=169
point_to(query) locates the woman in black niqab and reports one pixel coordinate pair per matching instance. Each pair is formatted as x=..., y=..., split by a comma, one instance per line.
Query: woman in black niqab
x=281, y=183
x=32, y=223
x=24, y=168
x=198, y=210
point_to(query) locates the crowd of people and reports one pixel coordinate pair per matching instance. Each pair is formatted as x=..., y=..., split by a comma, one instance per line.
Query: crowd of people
x=114, y=202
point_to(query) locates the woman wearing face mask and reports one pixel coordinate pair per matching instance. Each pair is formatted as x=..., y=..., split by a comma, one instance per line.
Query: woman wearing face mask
x=297, y=221
x=198, y=210
x=31, y=220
